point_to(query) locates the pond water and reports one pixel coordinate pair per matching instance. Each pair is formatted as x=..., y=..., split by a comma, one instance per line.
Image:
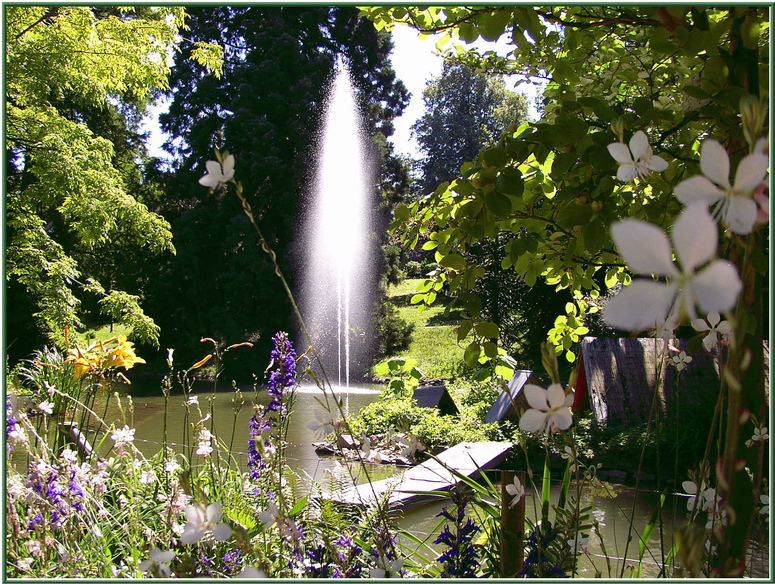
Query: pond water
x=231, y=427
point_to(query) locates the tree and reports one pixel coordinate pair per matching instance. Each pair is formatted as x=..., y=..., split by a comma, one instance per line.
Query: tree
x=646, y=81
x=75, y=79
x=465, y=111
x=266, y=110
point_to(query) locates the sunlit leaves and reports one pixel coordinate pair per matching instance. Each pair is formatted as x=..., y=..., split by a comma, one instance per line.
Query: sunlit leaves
x=554, y=182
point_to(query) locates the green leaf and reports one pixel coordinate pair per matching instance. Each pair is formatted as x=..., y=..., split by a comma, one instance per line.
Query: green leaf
x=641, y=105
x=487, y=329
x=471, y=354
x=594, y=236
x=495, y=157
x=695, y=92
x=572, y=214
x=430, y=244
x=297, y=508
x=510, y=182
x=490, y=349
x=453, y=261
x=495, y=24
x=464, y=328
x=498, y=204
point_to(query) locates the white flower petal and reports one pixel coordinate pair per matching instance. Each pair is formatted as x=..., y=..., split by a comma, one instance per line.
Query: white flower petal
x=556, y=396
x=656, y=163
x=740, y=215
x=620, y=153
x=640, y=306
x=532, y=421
x=714, y=162
x=627, y=172
x=214, y=512
x=751, y=172
x=724, y=328
x=717, y=286
x=191, y=534
x=213, y=167
x=166, y=557
x=221, y=532
x=698, y=189
x=536, y=397
x=639, y=145
x=695, y=236
x=561, y=418
x=644, y=247
x=209, y=181
x=228, y=167
x=700, y=325
x=194, y=514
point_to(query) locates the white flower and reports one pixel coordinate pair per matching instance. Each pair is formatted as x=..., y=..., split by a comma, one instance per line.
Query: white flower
x=567, y=454
x=715, y=327
x=645, y=304
x=251, y=572
x=46, y=407
x=735, y=203
x=270, y=516
x=202, y=521
x=192, y=401
x=387, y=568
x=370, y=453
x=123, y=436
x=759, y=435
x=637, y=160
x=706, y=497
x=25, y=564
x=217, y=174
x=204, y=447
x=578, y=543
x=516, y=490
x=169, y=357
x=681, y=360
x=411, y=445
x=324, y=421
x=171, y=466
x=157, y=563
x=549, y=409
x=147, y=477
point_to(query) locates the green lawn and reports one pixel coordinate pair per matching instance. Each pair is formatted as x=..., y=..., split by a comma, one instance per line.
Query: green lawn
x=101, y=334
x=434, y=345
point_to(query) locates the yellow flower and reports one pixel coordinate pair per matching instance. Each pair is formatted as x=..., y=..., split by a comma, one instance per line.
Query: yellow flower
x=123, y=355
x=83, y=362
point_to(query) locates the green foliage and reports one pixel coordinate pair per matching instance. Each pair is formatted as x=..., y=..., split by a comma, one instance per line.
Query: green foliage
x=437, y=431
x=552, y=183
x=76, y=78
x=465, y=111
x=389, y=413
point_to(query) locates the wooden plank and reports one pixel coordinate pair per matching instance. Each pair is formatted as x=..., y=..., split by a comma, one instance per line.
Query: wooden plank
x=415, y=484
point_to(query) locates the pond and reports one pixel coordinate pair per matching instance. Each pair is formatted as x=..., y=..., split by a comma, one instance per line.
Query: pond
x=231, y=412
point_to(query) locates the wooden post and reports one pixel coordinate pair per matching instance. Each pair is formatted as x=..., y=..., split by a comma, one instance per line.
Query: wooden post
x=512, y=542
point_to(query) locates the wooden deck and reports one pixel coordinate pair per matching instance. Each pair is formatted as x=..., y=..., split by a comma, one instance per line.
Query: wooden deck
x=413, y=486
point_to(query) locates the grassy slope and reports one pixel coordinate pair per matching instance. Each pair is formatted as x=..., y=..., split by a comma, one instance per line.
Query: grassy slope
x=434, y=343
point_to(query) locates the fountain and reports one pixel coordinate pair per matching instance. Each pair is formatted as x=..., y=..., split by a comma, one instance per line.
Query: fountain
x=335, y=296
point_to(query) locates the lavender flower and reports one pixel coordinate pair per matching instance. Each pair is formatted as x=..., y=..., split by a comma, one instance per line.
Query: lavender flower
x=11, y=425
x=461, y=559
x=281, y=380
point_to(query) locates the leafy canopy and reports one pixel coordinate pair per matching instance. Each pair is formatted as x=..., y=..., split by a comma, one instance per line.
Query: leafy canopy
x=678, y=74
x=66, y=198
